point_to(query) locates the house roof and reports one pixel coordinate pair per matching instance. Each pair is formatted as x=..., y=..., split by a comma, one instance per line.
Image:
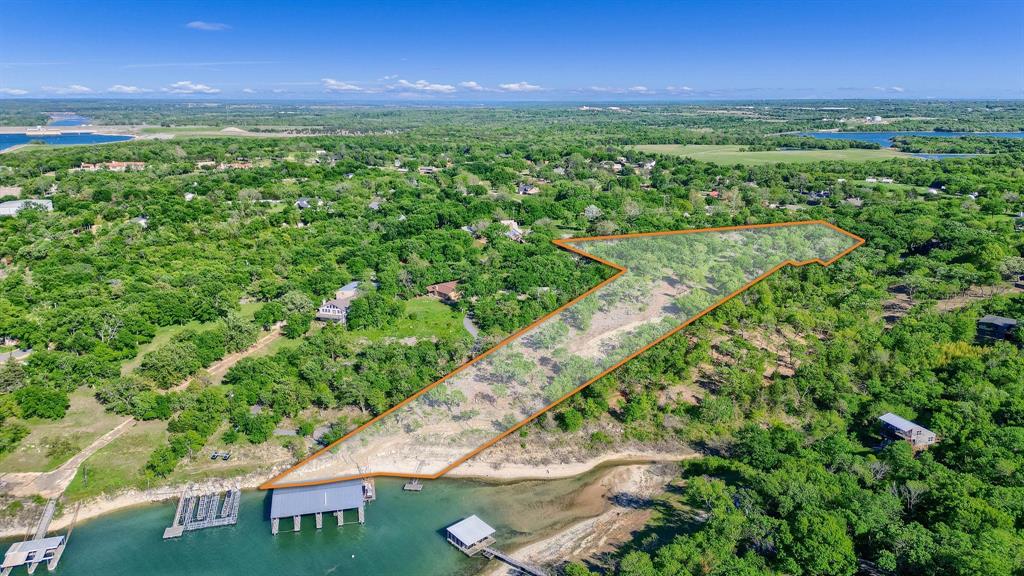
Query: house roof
x=471, y=530
x=444, y=287
x=998, y=321
x=319, y=498
x=900, y=423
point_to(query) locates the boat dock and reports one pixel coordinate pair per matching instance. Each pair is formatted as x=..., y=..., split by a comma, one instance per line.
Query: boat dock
x=39, y=549
x=334, y=498
x=198, y=511
x=473, y=536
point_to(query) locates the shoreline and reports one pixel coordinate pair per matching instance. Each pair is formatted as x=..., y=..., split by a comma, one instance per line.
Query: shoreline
x=484, y=472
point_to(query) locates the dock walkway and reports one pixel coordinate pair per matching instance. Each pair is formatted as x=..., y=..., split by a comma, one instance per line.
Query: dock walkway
x=520, y=566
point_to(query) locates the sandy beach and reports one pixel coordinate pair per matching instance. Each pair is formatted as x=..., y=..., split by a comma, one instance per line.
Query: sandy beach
x=620, y=519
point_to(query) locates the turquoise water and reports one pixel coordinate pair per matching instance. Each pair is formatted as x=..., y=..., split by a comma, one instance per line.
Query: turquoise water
x=66, y=139
x=403, y=534
x=884, y=139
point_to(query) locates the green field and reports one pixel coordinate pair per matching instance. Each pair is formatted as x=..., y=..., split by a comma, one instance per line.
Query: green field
x=52, y=442
x=733, y=154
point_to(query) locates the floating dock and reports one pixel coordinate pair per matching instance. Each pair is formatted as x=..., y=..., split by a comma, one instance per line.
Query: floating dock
x=198, y=511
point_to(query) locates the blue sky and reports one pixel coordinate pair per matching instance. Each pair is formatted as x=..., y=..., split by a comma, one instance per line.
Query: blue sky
x=548, y=50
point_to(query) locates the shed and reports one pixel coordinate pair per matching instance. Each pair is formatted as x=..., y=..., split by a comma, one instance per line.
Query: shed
x=470, y=535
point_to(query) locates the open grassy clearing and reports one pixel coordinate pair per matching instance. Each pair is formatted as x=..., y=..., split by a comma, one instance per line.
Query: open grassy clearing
x=50, y=443
x=424, y=317
x=733, y=154
x=165, y=334
x=118, y=465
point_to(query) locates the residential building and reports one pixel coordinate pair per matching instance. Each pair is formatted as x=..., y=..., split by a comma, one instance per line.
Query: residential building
x=428, y=170
x=992, y=328
x=10, y=191
x=446, y=291
x=527, y=190
x=897, y=428
x=336, y=309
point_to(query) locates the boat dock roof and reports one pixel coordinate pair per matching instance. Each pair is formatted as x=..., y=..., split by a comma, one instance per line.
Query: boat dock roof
x=303, y=500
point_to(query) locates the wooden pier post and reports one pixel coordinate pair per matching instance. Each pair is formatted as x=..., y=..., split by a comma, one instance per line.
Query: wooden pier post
x=341, y=517
x=297, y=522
x=274, y=525
x=319, y=520
x=362, y=517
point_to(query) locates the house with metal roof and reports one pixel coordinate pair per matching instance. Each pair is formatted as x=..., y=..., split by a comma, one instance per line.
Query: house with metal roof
x=470, y=535
x=334, y=498
x=898, y=428
x=336, y=309
x=992, y=328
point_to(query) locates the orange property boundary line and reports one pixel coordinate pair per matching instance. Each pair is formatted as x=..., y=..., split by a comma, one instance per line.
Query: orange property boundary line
x=566, y=244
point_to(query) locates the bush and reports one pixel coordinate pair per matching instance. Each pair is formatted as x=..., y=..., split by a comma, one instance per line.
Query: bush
x=40, y=402
x=570, y=420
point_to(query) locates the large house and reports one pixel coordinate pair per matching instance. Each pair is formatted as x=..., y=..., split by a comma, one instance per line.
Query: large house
x=446, y=291
x=336, y=309
x=896, y=428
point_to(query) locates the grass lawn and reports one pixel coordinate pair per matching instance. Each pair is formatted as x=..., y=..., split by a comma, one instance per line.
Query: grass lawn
x=731, y=154
x=119, y=464
x=51, y=443
x=424, y=317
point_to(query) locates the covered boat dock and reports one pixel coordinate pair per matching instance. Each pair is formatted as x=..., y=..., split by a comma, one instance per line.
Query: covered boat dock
x=334, y=498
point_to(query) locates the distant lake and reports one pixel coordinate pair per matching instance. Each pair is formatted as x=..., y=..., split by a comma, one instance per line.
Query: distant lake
x=68, y=120
x=884, y=139
x=66, y=139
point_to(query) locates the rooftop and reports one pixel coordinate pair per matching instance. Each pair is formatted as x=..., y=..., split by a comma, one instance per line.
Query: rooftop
x=900, y=423
x=301, y=500
x=471, y=530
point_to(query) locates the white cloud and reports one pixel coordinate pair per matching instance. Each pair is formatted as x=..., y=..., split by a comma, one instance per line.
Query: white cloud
x=189, y=87
x=424, y=86
x=679, y=89
x=471, y=85
x=639, y=89
x=123, y=89
x=896, y=89
x=69, y=89
x=248, y=90
x=207, y=26
x=332, y=85
x=13, y=91
x=519, y=87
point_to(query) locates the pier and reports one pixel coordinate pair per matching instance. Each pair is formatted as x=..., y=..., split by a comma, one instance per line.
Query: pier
x=198, y=511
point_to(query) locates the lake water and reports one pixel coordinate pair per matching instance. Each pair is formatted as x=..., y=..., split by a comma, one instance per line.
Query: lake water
x=68, y=120
x=884, y=139
x=65, y=139
x=403, y=534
